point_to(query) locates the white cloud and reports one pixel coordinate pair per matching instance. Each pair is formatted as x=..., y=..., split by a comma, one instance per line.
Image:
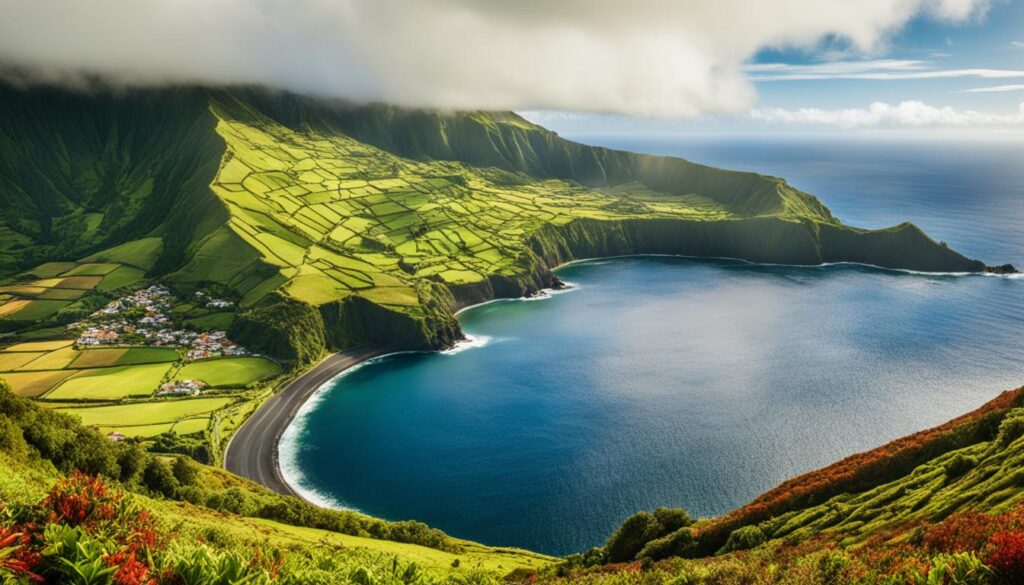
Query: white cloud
x=680, y=58
x=879, y=69
x=1018, y=44
x=910, y=113
x=996, y=89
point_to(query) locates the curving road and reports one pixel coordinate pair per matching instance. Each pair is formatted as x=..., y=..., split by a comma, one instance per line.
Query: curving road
x=252, y=452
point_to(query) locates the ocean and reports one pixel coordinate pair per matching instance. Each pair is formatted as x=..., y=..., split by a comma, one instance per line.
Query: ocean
x=661, y=381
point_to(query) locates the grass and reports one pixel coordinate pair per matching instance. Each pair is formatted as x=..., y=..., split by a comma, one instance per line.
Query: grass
x=34, y=310
x=57, y=359
x=41, y=345
x=212, y=322
x=33, y=384
x=98, y=358
x=111, y=383
x=146, y=355
x=147, y=413
x=14, y=360
x=138, y=253
x=229, y=372
x=316, y=206
x=189, y=426
x=120, y=278
x=143, y=431
x=101, y=358
x=472, y=557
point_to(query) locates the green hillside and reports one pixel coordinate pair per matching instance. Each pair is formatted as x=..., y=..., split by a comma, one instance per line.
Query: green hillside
x=134, y=517
x=335, y=225
x=943, y=506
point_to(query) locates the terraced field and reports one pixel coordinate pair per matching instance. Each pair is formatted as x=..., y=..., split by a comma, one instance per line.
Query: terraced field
x=338, y=217
x=115, y=388
x=42, y=292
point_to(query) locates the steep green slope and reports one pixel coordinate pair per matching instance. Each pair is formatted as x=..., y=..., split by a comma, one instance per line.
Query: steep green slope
x=944, y=505
x=338, y=225
x=79, y=173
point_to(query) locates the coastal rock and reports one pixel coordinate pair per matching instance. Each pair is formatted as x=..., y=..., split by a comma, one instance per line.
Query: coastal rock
x=1002, y=269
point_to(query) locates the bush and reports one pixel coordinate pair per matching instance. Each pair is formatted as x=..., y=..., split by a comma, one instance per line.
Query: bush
x=11, y=439
x=184, y=470
x=630, y=538
x=158, y=477
x=680, y=543
x=959, y=465
x=1007, y=556
x=1012, y=427
x=672, y=519
x=744, y=538
x=643, y=527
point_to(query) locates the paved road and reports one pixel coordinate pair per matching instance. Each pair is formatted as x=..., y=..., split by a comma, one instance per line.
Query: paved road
x=252, y=452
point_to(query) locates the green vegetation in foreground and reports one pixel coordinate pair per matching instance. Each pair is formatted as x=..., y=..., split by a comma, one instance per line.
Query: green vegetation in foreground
x=173, y=521
x=943, y=507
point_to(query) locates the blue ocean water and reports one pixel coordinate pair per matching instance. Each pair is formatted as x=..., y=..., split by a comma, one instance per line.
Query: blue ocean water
x=681, y=382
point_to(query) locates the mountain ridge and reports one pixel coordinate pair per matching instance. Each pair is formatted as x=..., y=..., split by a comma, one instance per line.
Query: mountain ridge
x=336, y=216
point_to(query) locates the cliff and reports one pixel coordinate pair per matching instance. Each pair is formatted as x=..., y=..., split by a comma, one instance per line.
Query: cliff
x=339, y=225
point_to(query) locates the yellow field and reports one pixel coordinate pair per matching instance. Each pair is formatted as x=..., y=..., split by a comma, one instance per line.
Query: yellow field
x=33, y=384
x=40, y=345
x=14, y=360
x=55, y=360
x=97, y=358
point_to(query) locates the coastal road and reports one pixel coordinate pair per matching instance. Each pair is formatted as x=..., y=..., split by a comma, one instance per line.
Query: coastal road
x=252, y=452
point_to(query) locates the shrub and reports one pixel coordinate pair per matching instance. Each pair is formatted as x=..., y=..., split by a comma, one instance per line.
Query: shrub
x=744, y=538
x=677, y=544
x=630, y=538
x=184, y=470
x=158, y=477
x=1007, y=556
x=644, y=527
x=959, y=465
x=11, y=439
x=672, y=519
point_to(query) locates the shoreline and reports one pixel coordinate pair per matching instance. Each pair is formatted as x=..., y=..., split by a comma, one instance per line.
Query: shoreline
x=252, y=451
x=278, y=480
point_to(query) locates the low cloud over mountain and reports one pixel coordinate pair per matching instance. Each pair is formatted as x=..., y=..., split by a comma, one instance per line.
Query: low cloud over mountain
x=651, y=57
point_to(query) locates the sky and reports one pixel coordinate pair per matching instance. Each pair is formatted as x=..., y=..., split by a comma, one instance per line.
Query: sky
x=964, y=76
x=578, y=66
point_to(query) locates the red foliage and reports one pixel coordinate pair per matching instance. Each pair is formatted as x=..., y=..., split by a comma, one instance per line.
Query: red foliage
x=130, y=570
x=81, y=500
x=16, y=556
x=859, y=470
x=960, y=532
x=971, y=531
x=1007, y=556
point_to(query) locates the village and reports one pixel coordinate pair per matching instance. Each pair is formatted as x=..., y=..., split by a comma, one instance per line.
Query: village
x=141, y=319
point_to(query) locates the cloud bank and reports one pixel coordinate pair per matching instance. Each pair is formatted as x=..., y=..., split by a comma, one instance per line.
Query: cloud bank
x=877, y=70
x=651, y=57
x=911, y=113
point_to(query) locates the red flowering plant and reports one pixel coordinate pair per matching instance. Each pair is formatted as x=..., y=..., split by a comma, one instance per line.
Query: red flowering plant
x=18, y=560
x=84, y=526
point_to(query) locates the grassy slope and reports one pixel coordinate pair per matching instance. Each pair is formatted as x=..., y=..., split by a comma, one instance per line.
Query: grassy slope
x=26, y=483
